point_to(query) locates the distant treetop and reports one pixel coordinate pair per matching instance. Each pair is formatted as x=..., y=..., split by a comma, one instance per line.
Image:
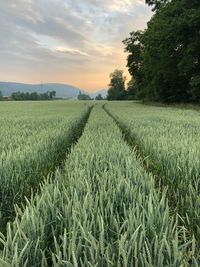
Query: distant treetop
x=83, y=96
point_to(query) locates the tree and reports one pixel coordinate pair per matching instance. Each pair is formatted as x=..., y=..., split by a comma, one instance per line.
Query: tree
x=83, y=96
x=1, y=96
x=99, y=97
x=135, y=49
x=157, y=4
x=116, y=89
x=165, y=58
x=195, y=89
x=52, y=94
x=19, y=96
x=44, y=96
x=131, y=90
x=35, y=96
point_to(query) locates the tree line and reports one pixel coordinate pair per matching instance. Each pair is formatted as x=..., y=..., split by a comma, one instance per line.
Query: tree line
x=164, y=59
x=49, y=95
x=20, y=96
x=82, y=96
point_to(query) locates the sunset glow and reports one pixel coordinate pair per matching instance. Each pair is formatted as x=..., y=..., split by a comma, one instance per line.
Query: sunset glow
x=63, y=41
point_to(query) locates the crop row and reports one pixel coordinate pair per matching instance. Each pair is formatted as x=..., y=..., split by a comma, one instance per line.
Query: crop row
x=169, y=140
x=34, y=139
x=102, y=210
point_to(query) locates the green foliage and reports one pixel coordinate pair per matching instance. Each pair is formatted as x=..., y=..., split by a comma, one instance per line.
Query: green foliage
x=131, y=90
x=195, y=88
x=99, y=97
x=1, y=96
x=165, y=59
x=116, y=89
x=33, y=96
x=157, y=4
x=103, y=210
x=83, y=96
x=135, y=49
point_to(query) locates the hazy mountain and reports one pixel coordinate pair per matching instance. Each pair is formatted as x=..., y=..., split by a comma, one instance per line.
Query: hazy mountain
x=62, y=90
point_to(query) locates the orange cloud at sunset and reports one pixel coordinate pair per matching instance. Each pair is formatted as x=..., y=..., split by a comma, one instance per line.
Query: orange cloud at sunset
x=63, y=42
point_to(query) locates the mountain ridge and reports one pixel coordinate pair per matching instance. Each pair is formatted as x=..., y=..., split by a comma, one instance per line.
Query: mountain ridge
x=62, y=90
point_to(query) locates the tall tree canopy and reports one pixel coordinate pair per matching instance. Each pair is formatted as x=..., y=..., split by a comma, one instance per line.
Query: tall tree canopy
x=131, y=90
x=165, y=59
x=156, y=4
x=116, y=90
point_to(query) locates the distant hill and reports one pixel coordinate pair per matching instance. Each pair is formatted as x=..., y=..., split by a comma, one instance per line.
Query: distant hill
x=62, y=90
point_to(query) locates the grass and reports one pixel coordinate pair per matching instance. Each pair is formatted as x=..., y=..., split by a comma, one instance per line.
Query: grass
x=35, y=138
x=168, y=140
x=103, y=209
x=175, y=105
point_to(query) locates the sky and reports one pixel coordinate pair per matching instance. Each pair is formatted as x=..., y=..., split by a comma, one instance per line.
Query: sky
x=77, y=42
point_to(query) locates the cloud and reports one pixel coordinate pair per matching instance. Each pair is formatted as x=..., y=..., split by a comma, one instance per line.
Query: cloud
x=66, y=41
x=72, y=52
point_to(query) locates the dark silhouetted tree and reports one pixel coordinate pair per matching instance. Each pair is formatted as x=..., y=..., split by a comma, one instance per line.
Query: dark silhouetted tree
x=99, y=97
x=116, y=89
x=131, y=90
x=165, y=58
x=83, y=96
